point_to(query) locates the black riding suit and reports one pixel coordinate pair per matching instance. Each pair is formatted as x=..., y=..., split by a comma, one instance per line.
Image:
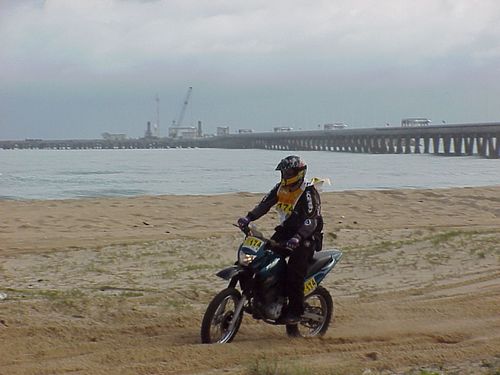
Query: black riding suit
x=302, y=217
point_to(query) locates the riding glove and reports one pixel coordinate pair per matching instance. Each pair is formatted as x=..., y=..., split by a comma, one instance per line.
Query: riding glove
x=243, y=222
x=293, y=242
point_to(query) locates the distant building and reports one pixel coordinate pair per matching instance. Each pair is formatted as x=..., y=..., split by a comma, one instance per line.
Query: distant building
x=222, y=130
x=415, y=122
x=280, y=129
x=243, y=131
x=186, y=132
x=189, y=132
x=148, y=133
x=114, y=137
x=335, y=125
x=199, y=133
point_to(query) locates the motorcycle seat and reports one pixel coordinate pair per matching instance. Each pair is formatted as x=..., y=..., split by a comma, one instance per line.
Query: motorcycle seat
x=318, y=261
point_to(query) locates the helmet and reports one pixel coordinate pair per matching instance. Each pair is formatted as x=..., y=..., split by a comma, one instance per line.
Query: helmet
x=293, y=170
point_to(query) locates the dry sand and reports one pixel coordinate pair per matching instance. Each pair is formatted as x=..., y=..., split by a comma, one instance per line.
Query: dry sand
x=119, y=286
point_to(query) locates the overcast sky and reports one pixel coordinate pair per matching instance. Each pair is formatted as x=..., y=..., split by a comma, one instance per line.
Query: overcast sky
x=78, y=68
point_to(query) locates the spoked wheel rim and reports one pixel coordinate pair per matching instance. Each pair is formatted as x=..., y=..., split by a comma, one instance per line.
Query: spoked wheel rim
x=219, y=326
x=315, y=304
x=318, y=312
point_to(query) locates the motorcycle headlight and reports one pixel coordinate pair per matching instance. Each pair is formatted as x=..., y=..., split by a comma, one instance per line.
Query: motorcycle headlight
x=245, y=258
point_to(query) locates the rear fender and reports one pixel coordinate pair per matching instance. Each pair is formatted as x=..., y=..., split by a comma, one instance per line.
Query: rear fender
x=312, y=282
x=336, y=256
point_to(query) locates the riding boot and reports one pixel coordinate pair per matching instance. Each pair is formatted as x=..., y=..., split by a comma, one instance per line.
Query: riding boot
x=295, y=293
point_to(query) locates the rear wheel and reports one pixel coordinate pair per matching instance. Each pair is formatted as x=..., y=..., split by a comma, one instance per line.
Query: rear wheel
x=318, y=311
x=215, y=327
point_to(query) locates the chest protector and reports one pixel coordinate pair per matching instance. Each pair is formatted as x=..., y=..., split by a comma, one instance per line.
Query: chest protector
x=287, y=200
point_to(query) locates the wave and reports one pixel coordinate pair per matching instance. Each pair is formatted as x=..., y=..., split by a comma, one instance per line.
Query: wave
x=104, y=193
x=88, y=173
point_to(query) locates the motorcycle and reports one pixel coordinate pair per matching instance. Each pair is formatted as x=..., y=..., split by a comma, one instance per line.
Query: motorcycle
x=260, y=270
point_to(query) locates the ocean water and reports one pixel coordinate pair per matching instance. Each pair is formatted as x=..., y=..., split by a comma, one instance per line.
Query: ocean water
x=62, y=174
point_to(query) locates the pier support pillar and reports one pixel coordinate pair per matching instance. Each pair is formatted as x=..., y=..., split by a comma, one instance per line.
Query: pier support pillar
x=371, y=145
x=426, y=145
x=383, y=145
x=469, y=145
x=399, y=147
x=359, y=145
x=490, y=152
x=481, y=146
x=390, y=145
x=447, y=144
x=436, y=140
x=376, y=145
x=417, y=145
x=457, y=144
x=407, y=145
x=496, y=153
x=350, y=143
x=364, y=145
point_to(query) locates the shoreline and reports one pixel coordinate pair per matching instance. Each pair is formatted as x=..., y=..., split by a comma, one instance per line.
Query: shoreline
x=48, y=224
x=90, y=197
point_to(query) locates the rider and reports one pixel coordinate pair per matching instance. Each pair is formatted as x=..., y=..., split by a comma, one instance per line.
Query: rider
x=299, y=209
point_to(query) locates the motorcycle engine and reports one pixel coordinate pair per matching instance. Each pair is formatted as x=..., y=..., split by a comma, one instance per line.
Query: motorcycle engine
x=271, y=309
x=269, y=297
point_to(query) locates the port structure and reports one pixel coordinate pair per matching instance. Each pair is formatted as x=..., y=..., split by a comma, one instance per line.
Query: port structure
x=177, y=130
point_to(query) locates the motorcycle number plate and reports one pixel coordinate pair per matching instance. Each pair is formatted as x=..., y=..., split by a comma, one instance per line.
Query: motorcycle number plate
x=309, y=285
x=253, y=243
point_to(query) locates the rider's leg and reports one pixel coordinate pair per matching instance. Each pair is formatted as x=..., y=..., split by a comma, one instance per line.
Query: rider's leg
x=296, y=272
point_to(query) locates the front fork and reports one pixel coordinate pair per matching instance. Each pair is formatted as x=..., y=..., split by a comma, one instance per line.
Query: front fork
x=237, y=312
x=246, y=286
x=234, y=274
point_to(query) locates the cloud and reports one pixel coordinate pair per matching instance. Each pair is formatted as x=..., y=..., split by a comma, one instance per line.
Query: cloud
x=81, y=62
x=60, y=38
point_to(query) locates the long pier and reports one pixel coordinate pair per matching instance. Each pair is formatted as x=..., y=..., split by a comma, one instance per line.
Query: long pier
x=480, y=139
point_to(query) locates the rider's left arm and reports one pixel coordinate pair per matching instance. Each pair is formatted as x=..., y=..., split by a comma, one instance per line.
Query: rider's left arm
x=310, y=211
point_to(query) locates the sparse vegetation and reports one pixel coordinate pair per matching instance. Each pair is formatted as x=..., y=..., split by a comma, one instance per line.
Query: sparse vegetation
x=426, y=372
x=437, y=258
x=272, y=367
x=446, y=236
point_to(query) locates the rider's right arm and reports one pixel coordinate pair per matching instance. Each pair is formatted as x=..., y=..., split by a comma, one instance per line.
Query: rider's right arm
x=269, y=200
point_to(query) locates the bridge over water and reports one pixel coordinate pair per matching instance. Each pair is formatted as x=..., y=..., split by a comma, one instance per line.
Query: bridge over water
x=482, y=139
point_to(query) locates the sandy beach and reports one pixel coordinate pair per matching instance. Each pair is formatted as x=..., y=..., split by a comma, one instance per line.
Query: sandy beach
x=119, y=286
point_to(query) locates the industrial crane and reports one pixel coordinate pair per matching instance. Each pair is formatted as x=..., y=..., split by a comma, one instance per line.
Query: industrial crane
x=183, y=109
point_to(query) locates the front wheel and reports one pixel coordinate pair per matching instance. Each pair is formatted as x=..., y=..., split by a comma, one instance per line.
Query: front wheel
x=318, y=311
x=216, y=326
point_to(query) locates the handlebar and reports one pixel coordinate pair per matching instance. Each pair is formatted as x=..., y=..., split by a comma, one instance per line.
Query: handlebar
x=279, y=248
x=275, y=246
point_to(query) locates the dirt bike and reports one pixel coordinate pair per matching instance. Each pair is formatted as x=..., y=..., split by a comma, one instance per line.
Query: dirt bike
x=260, y=270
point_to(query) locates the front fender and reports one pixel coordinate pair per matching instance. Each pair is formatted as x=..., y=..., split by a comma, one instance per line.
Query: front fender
x=229, y=272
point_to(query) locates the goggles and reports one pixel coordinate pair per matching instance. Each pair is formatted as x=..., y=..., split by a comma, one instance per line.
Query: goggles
x=291, y=176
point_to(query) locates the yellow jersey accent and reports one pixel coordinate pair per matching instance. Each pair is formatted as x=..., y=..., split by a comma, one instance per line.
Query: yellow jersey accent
x=287, y=201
